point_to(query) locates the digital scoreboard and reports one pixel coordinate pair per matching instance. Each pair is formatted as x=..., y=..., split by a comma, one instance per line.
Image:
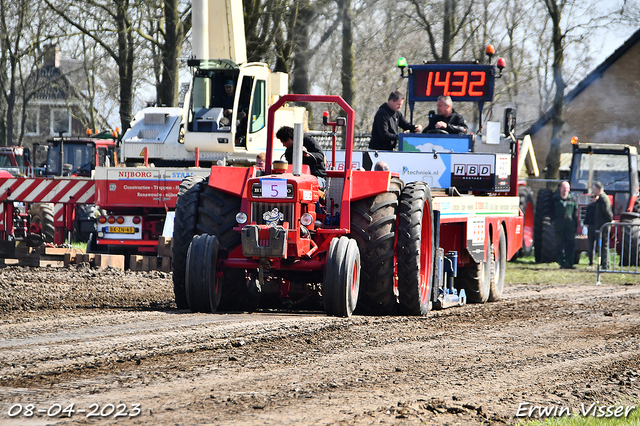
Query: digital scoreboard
x=463, y=82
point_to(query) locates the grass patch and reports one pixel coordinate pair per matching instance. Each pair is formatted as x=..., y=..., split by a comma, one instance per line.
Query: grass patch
x=526, y=271
x=633, y=419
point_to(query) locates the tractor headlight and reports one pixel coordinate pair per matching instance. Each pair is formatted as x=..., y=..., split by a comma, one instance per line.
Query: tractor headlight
x=306, y=219
x=241, y=218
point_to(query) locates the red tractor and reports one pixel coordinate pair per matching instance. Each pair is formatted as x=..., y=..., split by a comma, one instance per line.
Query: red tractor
x=366, y=240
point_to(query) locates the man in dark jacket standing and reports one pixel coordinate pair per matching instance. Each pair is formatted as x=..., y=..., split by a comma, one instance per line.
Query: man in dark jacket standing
x=565, y=210
x=602, y=213
x=384, y=134
x=447, y=119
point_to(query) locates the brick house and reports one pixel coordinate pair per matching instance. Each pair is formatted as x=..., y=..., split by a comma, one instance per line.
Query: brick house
x=56, y=107
x=602, y=108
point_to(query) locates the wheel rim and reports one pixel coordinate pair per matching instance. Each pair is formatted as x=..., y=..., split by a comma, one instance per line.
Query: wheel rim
x=354, y=281
x=426, y=254
x=527, y=232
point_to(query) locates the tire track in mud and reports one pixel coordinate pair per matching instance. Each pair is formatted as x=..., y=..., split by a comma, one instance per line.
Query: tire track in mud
x=542, y=344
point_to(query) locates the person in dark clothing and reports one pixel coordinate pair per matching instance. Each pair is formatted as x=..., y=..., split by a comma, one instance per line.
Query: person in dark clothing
x=565, y=210
x=312, y=154
x=447, y=119
x=384, y=133
x=602, y=213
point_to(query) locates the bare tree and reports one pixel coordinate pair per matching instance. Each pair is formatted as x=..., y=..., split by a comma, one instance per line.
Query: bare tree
x=108, y=19
x=23, y=29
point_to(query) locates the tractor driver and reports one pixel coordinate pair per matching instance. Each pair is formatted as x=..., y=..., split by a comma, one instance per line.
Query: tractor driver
x=312, y=154
x=447, y=120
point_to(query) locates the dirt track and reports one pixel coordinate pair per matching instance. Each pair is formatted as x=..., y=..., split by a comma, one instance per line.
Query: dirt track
x=88, y=337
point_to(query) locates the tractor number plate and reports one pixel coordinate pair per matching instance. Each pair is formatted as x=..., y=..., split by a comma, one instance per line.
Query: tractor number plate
x=121, y=230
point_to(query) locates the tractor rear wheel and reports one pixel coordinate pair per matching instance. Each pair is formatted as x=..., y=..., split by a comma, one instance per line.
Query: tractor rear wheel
x=373, y=226
x=42, y=221
x=476, y=280
x=342, y=277
x=544, y=239
x=499, y=256
x=217, y=216
x=415, y=249
x=184, y=228
x=201, y=287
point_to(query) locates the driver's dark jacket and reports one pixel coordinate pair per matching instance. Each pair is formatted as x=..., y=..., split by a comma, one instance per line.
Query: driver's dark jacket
x=384, y=133
x=455, y=123
x=314, y=157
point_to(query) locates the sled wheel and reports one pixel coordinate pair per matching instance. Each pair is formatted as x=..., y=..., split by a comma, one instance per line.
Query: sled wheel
x=42, y=221
x=415, y=249
x=201, y=285
x=476, y=281
x=499, y=256
x=526, y=205
x=373, y=226
x=184, y=228
x=342, y=277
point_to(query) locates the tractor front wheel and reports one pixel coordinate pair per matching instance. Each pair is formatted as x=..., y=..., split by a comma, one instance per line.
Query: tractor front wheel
x=342, y=277
x=201, y=285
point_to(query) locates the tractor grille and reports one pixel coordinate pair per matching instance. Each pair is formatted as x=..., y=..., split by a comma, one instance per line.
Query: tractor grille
x=259, y=209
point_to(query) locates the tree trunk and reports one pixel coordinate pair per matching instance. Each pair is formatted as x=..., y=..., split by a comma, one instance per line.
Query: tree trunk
x=557, y=120
x=168, y=89
x=300, y=83
x=125, y=63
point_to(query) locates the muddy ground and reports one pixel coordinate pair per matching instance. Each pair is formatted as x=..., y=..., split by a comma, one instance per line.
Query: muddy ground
x=111, y=346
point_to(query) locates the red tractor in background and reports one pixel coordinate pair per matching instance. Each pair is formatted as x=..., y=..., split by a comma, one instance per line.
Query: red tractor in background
x=242, y=234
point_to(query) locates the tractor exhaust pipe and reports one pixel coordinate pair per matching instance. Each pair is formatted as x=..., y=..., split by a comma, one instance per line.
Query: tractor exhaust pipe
x=297, y=149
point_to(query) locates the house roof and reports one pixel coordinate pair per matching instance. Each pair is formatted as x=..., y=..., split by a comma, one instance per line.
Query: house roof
x=590, y=78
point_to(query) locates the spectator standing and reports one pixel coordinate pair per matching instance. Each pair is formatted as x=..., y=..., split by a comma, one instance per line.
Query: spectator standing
x=565, y=222
x=602, y=213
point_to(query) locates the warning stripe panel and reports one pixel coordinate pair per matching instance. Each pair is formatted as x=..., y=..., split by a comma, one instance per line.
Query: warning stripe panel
x=39, y=190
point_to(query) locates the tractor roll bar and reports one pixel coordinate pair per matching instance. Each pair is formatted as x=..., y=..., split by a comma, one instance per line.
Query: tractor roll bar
x=348, y=156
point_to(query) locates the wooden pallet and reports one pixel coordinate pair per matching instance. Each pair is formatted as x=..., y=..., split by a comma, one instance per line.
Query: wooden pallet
x=96, y=260
x=149, y=263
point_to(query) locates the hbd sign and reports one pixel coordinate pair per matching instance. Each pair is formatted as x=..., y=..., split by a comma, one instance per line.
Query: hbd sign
x=472, y=170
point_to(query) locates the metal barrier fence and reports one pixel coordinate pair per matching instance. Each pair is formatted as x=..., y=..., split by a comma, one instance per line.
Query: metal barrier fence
x=618, y=248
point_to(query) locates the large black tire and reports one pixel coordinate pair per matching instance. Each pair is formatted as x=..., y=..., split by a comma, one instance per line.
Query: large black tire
x=200, y=277
x=217, y=216
x=42, y=216
x=415, y=249
x=499, y=257
x=543, y=213
x=373, y=226
x=629, y=250
x=476, y=281
x=84, y=213
x=527, y=206
x=184, y=228
x=342, y=277
x=549, y=252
